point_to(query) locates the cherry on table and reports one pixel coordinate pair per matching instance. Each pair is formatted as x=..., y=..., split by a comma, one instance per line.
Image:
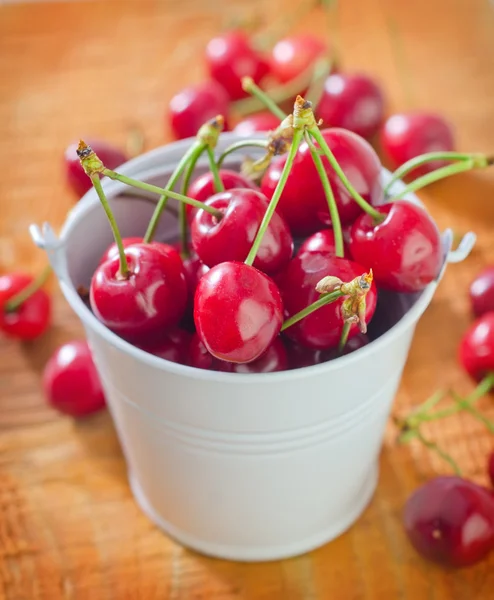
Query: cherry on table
x=195, y=105
x=482, y=292
x=238, y=312
x=490, y=468
x=151, y=298
x=33, y=317
x=322, y=329
x=71, y=382
x=294, y=55
x=77, y=179
x=202, y=188
x=450, y=520
x=351, y=101
x=229, y=58
x=404, y=251
x=407, y=135
x=231, y=238
x=263, y=121
x=476, y=350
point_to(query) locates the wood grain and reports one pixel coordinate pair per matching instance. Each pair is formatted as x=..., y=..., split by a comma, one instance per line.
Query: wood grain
x=69, y=527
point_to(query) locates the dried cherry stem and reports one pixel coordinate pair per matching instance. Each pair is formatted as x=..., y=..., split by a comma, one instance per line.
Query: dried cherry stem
x=283, y=92
x=124, y=266
x=474, y=162
x=302, y=117
x=207, y=136
x=308, y=310
x=238, y=146
x=364, y=205
x=18, y=299
x=328, y=192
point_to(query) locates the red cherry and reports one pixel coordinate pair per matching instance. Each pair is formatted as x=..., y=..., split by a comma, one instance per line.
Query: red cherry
x=174, y=346
x=263, y=121
x=71, y=382
x=321, y=241
x=202, y=188
x=407, y=135
x=231, y=238
x=274, y=359
x=229, y=58
x=76, y=177
x=33, y=317
x=476, y=351
x=238, y=312
x=293, y=56
x=194, y=106
x=451, y=521
x=112, y=250
x=194, y=269
x=151, y=299
x=297, y=282
x=303, y=203
x=490, y=468
x=404, y=251
x=353, y=102
x=482, y=292
x=199, y=357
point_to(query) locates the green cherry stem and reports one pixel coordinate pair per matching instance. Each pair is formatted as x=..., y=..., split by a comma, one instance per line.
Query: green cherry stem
x=297, y=138
x=442, y=173
x=182, y=213
x=435, y=448
x=161, y=191
x=238, y=146
x=468, y=407
x=365, y=206
x=322, y=301
x=423, y=159
x=18, y=299
x=250, y=87
x=328, y=192
x=344, y=338
x=124, y=266
x=218, y=183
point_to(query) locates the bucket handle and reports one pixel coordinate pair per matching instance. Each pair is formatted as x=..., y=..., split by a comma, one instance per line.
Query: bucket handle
x=46, y=239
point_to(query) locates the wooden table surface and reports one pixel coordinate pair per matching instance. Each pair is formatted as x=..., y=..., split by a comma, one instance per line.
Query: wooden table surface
x=69, y=527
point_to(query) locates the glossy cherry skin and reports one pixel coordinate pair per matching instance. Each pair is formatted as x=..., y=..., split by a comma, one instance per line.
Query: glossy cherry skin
x=231, y=238
x=203, y=188
x=407, y=135
x=353, y=102
x=33, y=317
x=303, y=203
x=322, y=241
x=229, y=57
x=322, y=329
x=112, y=250
x=71, y=382
x=263, y=121
x=300, y=356
x=77, y=179
x=153, y=298
x=274, y=359
x=174, y=346
x=194, y=106
x=199, y=357
x=238, y=312
x=404, y=251
x=294, y=55
x=476, y=350
x=450, y=520
x=482, y=292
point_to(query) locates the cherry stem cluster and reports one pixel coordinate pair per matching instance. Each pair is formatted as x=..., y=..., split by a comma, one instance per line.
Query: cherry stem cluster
x=16, y=301
x=410, y=426
x=460, y=164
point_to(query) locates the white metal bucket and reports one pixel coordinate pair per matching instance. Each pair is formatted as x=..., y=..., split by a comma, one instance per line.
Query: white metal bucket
x=242, y=467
